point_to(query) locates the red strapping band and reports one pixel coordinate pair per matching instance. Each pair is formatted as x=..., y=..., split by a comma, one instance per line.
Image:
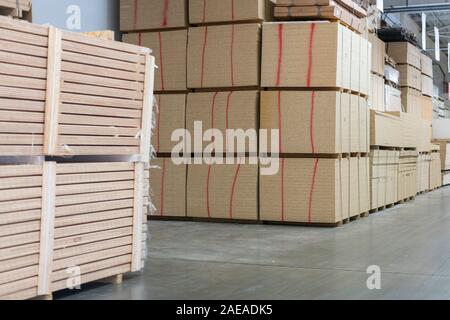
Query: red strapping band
x=207, y=191
x=232, y=55
x=311, y=192
x=203, y=57
x=310, y=54
x=233, y=10
x=161, y=67
x=158, y=124
x=280, y=53
x=213, y=107
x=166, y=13
x=135, y=7
x=163, y=174
x=233, y=188
x=227, y=118
x=311, y=122
x=204, y=11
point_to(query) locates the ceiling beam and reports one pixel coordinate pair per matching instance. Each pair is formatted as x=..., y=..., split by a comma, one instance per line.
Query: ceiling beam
x=418, y=8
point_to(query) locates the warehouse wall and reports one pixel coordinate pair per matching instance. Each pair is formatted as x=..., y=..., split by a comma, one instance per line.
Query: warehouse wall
x=78, y=15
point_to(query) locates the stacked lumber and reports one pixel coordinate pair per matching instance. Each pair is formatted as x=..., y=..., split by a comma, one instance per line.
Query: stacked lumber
x=435, y=168
x=67, y=94
x=16, y=8
x=384, y=177
x=407, y=175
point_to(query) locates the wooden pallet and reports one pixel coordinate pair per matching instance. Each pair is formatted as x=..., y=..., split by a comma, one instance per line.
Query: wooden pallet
x=69, y=94
x=59, y=215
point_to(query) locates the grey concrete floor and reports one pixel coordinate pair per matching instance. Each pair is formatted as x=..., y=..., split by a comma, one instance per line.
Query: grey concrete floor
x=410, y=243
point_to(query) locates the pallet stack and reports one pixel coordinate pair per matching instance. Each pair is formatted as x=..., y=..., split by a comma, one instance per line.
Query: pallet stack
x=71, y=217
x=444, y=153
x=435, y=167
x=17, y=9
x=319, y=105
x=377, y=92
x=224, y=60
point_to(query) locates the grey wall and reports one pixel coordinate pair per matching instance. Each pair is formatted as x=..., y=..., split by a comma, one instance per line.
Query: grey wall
x=93, y=15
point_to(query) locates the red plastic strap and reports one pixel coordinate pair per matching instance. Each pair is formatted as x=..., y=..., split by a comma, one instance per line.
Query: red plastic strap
x=213, y=107
x=166, y=13
x=163, y=174
x=233, y=188
x=205, y=42
x=207, y=191
x=204, y=11
x=158, y=124
x=311, y=122
x=310, y=54
x=232, y=55
x=136, y=9
x=161, y=67
x=228, y=110
x=280, y=54
x=233, y=10
x=311, y=192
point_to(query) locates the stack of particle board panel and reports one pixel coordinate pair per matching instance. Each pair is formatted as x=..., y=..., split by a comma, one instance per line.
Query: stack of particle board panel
x=384, y=168
x=423, y=172
x=20, y=9
x=435, y=168
x=407, y=175
x=377, y=88
x=326, y=136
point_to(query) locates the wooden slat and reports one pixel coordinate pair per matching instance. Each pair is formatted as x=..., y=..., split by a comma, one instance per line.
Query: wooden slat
x=93, y=207
x=100, y=111
x=17, y=139
x=19, y=228
x=16, y=116
x=93, y=177
x=18, y=274
x=96, y=141
x=101, y=91
x=13, y=206
x=102, y=62
x=100, y=101
x=21, y=150
x=19, y=93
x=98, y=131
x=21, y=295
x=22, y=37
x=93, y=167
x=97, y=120
x=96, y=150
x=102, y=72
x=147, y=109
x=89, y=277
x=22, y=216
x=93, y=197
x=91, y=247
x=64, y=232
x=21, y=59
x=137, y=216
x=17, y=194
x=20, y=182
x=17, y=286
x=22, y=71
x=91, y=237
x=11, y=127
x=22, y=82
x=63, y=264
x=102, y=81
x=93, y=217
x=21, y=105
x=18, y=251
x=12, y=46
x=10, y=24
x=20, y=170
x=93, y=187
x=18, y=240
x=17, y=263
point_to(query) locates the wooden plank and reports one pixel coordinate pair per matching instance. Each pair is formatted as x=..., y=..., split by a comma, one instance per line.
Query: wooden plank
x=20, y=93
x=93, y=207
x=21, y=150
x=94, y=197
x=16, y=116
x=19, y=228
x=10, y=45
x=97, y=120
x=18, y=263
x=102, y=62
x=102, y=72
x=22, y=105
x=97, y=91
x=89, y=277
x=11, y=127
x=93, y=187
x=21, y=205
x=16, y=286
x=17, y=139
x=19, y=194
x=47, y=234
x=18, y=251
x=22, y=82
x=101, y=81
x=18, y=240
x=23, y=71
x=92, y=227
x=91, y=257
x=10, y=24
x=93, y=167
x=100, y=111
x=20, y=182
x=147, y=112
x=92, y=237
x=21, y=216
x=100, y=101
x=91, y=248
x=137, y=217
x=21, y=170
x=21, y=295
x=96, y=141
x=22, y=37
x=98, y=131
x=18, y=274
x=21, y=59
x=93, y=177
x=93, y=217
x=96, y=150
x=52, y=98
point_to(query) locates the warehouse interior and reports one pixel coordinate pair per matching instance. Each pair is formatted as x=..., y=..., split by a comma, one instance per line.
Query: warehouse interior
x=224, y=150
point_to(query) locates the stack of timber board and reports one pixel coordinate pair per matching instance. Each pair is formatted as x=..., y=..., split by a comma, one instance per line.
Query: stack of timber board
x=20, y=9
x=435, y=168
x=384, y=174
x=346, y=11
x=407, y=175
x=423, y=172
x=377, y=88
x=68, y=94
x=59, y=216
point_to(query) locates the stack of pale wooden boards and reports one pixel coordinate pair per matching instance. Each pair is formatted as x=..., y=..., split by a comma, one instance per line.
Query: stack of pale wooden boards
x=65, y=221
x=16, y=8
